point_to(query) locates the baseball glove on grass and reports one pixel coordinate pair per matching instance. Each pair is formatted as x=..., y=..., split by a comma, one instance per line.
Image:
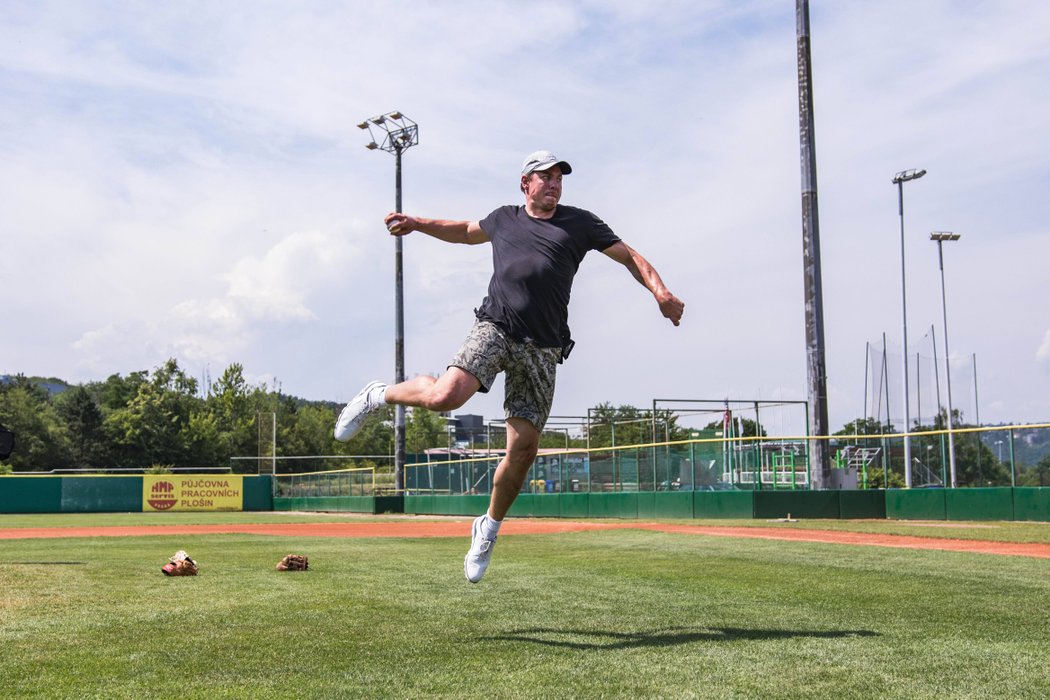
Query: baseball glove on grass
x=180, y=565
x=293, y=562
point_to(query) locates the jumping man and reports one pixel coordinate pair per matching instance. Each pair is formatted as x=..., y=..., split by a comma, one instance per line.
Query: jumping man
x=521, y=326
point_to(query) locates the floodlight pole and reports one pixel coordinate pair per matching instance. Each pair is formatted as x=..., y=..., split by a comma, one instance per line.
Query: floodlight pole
x=399, y=134
x=899, y=179
x=399, y=332
x=940, y=237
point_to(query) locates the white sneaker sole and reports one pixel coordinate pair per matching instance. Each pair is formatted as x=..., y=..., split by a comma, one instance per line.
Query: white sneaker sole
x=475, y=534
x=353, y=415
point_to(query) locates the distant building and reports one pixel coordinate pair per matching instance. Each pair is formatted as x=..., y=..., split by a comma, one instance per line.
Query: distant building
x=470, y=428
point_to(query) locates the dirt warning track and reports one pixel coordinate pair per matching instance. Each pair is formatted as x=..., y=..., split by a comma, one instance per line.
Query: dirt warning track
x=453, y=527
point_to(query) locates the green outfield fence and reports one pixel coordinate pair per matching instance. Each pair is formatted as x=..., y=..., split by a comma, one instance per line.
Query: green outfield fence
x=1001, y=475
x=46, y=493
x=997, y=473
x=97, y=494
x=984, y=457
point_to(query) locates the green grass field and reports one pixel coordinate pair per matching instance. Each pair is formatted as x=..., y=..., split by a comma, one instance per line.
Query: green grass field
x=584, y=615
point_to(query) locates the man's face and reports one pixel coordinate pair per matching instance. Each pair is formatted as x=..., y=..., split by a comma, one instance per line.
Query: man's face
x=543, y=188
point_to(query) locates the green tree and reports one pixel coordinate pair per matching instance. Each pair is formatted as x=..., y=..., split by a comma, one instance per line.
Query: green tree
x=1039, y=475
x=305, y=429
x=975, y=463
x=117, y=392
x=865, y=426
x=42, y=440
x=558, y=439
x=627, y=425
x=424, y=430
x=83, y=419
x=877, y=478
x=204, y=441
x=236, y=405
x=154, y=427
x=745, y=427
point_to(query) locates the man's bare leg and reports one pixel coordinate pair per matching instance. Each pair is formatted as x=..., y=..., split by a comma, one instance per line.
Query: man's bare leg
x=523, y=441
x=446, y=393
x=450, y=391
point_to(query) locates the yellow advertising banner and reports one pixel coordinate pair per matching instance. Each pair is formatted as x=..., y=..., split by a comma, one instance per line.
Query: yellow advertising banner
x=162, y=492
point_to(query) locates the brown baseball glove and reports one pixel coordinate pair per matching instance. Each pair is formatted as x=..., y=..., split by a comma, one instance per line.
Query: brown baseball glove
x=293, y=562
x=180, y=565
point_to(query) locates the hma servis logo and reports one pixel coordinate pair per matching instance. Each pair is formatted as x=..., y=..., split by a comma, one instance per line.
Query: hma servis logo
x=162, y=495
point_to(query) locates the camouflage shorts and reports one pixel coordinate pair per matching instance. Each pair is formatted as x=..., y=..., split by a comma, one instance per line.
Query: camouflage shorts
x=530, y=370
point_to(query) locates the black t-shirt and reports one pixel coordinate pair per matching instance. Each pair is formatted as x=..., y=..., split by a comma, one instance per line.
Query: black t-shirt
x=533, y=265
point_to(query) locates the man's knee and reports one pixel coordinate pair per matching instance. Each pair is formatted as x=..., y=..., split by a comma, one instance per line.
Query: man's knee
x=523, y=445
x=445, y=398
x=512, y=472
x=522, y=457
x=452, y=390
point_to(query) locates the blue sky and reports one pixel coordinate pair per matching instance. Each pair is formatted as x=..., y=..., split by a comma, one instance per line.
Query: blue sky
x=187, y=180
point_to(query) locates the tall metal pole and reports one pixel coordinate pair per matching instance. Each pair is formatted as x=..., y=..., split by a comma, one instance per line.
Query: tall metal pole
x=940, y=237
x=977, y=418
x=399, y=133
x=904, y=351
x=886, y=380
x=899, y=179
x=918, y=391
x=976, y=403
x=864, y=413
x=936, y=371
x=399, y=332
x=814, y=295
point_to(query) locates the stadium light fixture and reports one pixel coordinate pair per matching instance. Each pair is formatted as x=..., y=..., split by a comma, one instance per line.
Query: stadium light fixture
x=899, y=179
x=906, y=175
x=940, y=237
x=399, y=134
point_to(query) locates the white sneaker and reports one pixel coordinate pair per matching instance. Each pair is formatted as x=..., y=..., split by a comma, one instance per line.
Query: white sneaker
x=477, y=559
x=354, y=413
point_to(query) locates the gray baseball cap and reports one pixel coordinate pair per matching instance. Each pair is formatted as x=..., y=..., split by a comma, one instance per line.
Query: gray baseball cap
x=543, y=160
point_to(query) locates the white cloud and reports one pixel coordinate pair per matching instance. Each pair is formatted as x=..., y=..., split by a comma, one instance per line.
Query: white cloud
x=288, y=286
x=191, y=183
x=1043, y=353
x=279, y=285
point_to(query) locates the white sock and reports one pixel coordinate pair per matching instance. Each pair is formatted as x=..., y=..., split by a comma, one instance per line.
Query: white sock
x=490, y=527
x=378, y=395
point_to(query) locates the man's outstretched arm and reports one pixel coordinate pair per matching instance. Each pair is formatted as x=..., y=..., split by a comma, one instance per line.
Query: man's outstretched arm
x=469, y=232
x=670, y=305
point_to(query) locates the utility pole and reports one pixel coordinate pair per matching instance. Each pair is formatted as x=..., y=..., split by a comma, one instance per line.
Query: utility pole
x=816, y=366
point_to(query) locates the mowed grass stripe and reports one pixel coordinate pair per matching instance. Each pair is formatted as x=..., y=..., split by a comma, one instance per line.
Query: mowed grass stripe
x=594, y=614
x=1019, y=532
